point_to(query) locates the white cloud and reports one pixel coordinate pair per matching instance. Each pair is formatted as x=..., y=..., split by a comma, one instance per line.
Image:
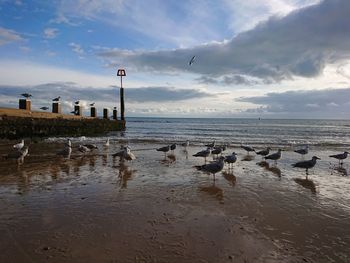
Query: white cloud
x=8, y=36
x=13, y=72
x=50, y=33
x=77, y=48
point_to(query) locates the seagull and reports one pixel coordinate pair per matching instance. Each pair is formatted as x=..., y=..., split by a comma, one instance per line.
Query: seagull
x=204, y=153
x=214, y=167
x=125, y=153
x=340, y=156
x=264, y=152
x=186, y=144
x=247, y=148
x=173, y=147
x=231, y=159
x=274, y=156
x=307, y=164
x=91, y=146
x=128, y=155
x=211, y=145
x=83, y=149
x=92, y=104
x=74, y=112
x=19, y=146
x=26, y=95
x=217, y=151
x=192, y=60
x=57, y=99
x=106, y=143
x=67, y=150
x=164, y=149
x=303, y=151
x=19, y=154
x=77, y=102
x=44, y=108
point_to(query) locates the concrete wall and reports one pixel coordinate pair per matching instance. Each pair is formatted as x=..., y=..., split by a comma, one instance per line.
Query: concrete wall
x=21, y=123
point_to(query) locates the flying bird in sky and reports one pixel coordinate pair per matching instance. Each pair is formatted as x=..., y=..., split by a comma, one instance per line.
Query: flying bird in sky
x=192, y=60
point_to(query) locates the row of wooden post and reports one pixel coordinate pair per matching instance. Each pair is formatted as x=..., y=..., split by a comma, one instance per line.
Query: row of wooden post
x=25, y=104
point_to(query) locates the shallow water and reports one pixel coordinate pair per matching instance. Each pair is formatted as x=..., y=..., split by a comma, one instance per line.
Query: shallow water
x=95, y=208
x=262, y=132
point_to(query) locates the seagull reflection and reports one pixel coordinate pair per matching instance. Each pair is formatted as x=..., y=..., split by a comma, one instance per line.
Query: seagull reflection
x=341, y=171
x=213, y=190
x=65, y=168
x=230, y=177
x=92, y=162
x=306, y=183
x=172, y=158
x=273, y=169
x=125, y=174
x=23, y=183
x=248, y=158
x=105, y=158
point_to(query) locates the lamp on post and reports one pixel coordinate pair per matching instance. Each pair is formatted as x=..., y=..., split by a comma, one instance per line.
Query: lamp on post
x=121, y=73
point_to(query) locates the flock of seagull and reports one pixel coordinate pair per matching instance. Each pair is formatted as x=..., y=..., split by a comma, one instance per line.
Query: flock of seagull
x=20, y=151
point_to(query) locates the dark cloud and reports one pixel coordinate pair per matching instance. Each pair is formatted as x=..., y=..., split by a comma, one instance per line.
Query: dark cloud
x=70, y=91
x=299, y=44
x=312, y=103
x=226, y=80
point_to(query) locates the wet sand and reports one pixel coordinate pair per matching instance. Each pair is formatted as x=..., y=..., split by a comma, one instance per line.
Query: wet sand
x=98, y=209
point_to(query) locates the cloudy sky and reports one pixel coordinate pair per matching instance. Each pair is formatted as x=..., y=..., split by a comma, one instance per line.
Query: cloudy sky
x=268, y=58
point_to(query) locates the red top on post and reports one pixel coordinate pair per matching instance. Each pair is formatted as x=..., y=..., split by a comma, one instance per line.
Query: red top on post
x=121, y=72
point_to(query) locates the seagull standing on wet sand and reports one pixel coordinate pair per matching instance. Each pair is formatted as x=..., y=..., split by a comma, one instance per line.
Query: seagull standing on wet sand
x=340, y=157
x=57, y=99
x=204, y=153
x=274, y=156
x=186, y=144
x=125, y=153
x=247, y=148
x=307, y=164
x=19, y=154
x=173, y=147
x=83, y=149
x=211, y=145
x=217, y=151
x=303, y=151
x=67, y=150
x=91, y=146
x=231, y=159
x=214, y=167
x=264, y=152
x=19, y=146
x=164, y=149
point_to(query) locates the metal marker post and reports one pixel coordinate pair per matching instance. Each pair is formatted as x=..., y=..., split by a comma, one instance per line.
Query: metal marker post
x=121, y=73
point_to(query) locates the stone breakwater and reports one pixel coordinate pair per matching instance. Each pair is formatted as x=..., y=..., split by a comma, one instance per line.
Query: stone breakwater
x=21, y=123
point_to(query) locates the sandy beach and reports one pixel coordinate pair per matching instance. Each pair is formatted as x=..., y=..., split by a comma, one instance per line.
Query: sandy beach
x=95, y=208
